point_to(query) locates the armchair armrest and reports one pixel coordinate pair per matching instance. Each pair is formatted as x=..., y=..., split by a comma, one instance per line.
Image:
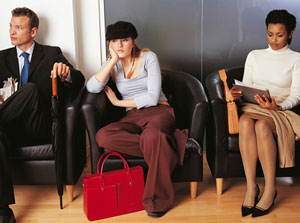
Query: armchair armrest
x=93, y=108
x=75, y=142
x=198, y=121
x=97, y=112
x=186, y=95
x=217, y=129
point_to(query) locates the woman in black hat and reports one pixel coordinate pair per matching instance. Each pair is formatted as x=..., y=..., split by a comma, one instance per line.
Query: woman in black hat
x=148, y=128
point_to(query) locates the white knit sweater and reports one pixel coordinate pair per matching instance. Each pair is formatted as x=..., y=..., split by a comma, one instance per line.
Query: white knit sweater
x=276, y=70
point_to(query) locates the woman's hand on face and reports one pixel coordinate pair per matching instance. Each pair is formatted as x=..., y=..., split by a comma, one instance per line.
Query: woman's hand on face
x=236, y=95
x=111, y=95
x=114, y=55
x=264, y=102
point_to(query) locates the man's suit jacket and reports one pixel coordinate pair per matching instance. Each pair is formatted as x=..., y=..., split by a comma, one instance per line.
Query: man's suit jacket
x=42, y=61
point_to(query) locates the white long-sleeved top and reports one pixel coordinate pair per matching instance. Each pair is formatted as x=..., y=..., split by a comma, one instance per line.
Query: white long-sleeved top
x=276, y=70
x=145, y=89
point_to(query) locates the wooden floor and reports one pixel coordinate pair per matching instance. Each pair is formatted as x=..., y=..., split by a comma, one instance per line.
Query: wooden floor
x=40, y=204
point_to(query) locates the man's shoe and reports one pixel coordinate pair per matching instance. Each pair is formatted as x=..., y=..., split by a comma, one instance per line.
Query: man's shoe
x=10, y=218
x=157, y=214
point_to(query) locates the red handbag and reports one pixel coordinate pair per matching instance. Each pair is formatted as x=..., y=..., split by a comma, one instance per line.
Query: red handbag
x=114, y=192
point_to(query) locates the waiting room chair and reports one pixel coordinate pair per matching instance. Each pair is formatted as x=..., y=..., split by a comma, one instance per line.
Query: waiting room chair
x=185, y=94
x=222, y=149
x=35, y=164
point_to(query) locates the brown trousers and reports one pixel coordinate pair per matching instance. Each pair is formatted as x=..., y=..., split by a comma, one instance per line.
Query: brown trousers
x=148, y=133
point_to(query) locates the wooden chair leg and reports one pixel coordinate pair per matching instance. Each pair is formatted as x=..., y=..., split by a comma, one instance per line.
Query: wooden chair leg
x=219, y=184
x=193, y=188
x=69, y=189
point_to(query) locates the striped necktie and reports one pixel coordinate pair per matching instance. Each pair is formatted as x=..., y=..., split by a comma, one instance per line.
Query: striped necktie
x=25, y=69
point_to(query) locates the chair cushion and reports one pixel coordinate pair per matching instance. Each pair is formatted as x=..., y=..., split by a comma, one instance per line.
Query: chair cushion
x=40, y=152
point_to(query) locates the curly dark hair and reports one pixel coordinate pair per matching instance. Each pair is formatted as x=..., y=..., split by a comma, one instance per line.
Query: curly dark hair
x=282, y=16
x=33, y=18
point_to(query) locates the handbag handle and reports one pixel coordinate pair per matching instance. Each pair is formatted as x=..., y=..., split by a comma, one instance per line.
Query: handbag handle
x=111, y=153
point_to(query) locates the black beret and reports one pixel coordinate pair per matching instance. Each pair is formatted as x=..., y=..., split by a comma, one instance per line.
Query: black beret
x=120, y=30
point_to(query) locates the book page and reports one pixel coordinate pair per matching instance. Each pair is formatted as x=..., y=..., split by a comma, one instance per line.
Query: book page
x=237, y=82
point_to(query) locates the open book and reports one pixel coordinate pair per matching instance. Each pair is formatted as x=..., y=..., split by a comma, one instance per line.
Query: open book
x=249, y=91
x=9, y=87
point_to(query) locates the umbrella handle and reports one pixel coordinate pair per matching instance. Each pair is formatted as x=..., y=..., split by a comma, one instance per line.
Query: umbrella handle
x=54, y=86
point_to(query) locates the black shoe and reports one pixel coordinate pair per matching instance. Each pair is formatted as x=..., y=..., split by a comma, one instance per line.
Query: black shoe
x=192, y=146
x=157, y=214
x=258, y=211
x=246, y=210
x=10, y=218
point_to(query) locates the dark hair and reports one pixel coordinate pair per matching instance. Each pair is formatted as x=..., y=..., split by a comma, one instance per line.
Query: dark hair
x=121, y=29
x=33, y=18
x=282, y=17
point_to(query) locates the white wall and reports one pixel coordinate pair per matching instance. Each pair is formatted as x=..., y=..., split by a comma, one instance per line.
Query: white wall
x=71, y=24
x=88, y=35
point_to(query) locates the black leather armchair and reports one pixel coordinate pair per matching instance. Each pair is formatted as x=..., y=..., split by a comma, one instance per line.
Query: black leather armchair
x=186, y=95
x=36, y=165
x=222, y=149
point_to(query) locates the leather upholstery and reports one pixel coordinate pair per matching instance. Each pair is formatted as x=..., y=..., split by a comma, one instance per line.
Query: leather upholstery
x=35, y=164
x=222, y=149
x=185, y=94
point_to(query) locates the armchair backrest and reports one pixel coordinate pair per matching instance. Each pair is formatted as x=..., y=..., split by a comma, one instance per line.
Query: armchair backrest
x=183, y=91
x=217, y=136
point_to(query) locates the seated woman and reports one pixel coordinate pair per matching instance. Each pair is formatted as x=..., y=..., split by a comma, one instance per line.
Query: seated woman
x=148, y=126
x=276, y=68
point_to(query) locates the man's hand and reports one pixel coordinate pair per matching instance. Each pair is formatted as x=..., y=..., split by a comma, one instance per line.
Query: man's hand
x=264, y=102
x=61, y=70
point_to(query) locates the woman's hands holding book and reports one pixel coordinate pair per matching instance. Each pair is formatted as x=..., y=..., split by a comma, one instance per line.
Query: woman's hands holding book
x=264, y=102
x=236, y=95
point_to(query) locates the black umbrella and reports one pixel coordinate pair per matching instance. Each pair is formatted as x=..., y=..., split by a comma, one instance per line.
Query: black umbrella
x=57, y=142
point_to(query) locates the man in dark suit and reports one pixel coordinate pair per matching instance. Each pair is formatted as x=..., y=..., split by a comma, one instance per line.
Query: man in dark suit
x=25, y=117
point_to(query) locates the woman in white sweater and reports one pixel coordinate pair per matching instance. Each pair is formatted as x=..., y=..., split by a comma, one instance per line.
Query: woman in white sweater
x=276, y=68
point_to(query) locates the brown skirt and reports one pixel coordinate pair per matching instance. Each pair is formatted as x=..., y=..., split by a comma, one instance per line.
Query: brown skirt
x=269, y=120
